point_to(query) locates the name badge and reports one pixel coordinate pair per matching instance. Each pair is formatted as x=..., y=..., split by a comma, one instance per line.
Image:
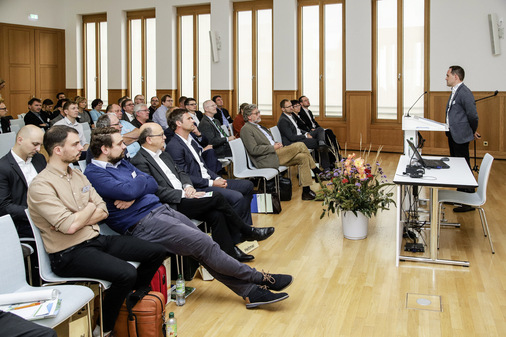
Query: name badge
x=86, y=188
x=134, y=174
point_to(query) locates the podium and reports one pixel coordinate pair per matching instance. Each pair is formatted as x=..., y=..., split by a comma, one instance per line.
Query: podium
x=412, y=125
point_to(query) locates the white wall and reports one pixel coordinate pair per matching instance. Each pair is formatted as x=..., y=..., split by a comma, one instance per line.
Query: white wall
x=16, y=12
x=284, y=27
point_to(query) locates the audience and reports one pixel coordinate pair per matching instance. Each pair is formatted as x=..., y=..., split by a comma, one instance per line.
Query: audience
x=71, y=112
x=71, y=236
x=96, y=109
x=142, y=215
x=160, y=115
x=153, y=106
x=222, y=114
x=4, y=121
x=17, y=170
x=127, y=105
x=239, y=121
x=33, y=116
x=84, y=115
x=129, y=132
x=139, y=99
x=141, y=113
x=58, y=111
x=191, y=106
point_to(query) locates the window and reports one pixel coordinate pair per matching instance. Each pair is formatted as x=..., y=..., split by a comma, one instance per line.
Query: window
x=95, y=57
x=253, y=54
x=194, y=58
x=399, y=58
x=321, y=55
x=142, y=53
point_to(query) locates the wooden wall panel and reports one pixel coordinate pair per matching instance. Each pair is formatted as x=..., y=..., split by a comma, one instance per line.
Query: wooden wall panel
x=49, y=62
x=115, y=94
x=358, y=117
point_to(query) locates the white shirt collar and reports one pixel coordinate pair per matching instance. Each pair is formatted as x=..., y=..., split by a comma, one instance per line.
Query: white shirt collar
x=20, y=160
x=104, y=164
x=153, y=154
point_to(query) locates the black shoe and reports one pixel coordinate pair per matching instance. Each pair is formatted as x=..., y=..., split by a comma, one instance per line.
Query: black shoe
x=276, y=282
x=260, y=296
x=310, y=195
x=258, y=233
x=463, y=208
x=240, y=256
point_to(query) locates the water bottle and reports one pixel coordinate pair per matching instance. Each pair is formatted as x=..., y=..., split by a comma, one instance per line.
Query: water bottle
x=171, y=326
x=180, y=290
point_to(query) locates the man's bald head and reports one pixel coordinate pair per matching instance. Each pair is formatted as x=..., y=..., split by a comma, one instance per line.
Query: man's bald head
x=28, y=141
x=151, y=136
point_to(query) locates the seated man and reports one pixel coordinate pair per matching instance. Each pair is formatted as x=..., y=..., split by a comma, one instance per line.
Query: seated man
x=71, y=112
x=154, y=105
x=191, y=105
x=160, y=115
x=187, y=156
x=66, y=209
x=211, y=128
x=139, y=213
x=129, y=132
x=222, y=115
x=175, y=188
x=17, y=170
x=34, y=116
x=265, y=152
x=127, y=105
x=4, y=121
x=289, y=126
x=141, y=113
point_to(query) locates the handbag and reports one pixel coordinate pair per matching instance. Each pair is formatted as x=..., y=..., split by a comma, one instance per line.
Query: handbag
x=266, y=203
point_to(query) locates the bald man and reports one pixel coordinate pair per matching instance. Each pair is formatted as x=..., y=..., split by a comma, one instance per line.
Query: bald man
x=17, y=170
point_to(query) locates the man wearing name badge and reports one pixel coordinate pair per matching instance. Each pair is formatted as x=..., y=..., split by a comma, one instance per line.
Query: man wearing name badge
x=147, y=218
x=175, y=188
x=211, y=128
x=462, y=120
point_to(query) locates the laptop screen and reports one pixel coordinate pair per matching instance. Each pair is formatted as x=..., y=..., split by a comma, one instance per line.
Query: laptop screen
x=415, y=152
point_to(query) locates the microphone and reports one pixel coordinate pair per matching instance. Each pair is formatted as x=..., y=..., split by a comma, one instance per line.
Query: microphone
x=496, y=92
x=407, y=115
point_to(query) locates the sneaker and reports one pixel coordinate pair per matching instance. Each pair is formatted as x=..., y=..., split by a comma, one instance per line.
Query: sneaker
x=260, y=296
x=276, y=282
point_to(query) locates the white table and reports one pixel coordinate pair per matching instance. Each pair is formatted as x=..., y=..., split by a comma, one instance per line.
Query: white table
x=459, y=175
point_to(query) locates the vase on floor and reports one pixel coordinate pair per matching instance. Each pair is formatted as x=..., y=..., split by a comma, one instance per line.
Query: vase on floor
x=354, y=226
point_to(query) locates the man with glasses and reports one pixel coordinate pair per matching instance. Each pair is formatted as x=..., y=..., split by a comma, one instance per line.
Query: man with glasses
x=5, y=122
x=211, y=127
x=266, y=153
x=128, y=107
x=192, y=107
x=129, y=132
x=160, y=115
x=141, y=113
x=291, y=132
x=153, y=106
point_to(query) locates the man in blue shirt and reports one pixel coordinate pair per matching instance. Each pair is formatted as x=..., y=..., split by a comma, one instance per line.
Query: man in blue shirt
x=135, y=210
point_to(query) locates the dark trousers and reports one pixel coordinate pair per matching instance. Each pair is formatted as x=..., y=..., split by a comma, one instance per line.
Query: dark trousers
x=216, y=211
x=238, y=194
x=104, y=257
x=458, y=150
x=13, y=326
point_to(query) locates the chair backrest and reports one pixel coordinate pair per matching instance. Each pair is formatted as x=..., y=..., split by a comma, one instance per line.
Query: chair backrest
x=45, y=271
x=12, y=268
x=18, y=122
x=87, y=131
x=486, y=167
x=82, y=165
x=15, y=128
x=276, y=134
x=238, y=156
x=7, y=141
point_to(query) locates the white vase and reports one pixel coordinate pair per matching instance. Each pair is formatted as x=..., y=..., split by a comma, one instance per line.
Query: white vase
x=354, y=226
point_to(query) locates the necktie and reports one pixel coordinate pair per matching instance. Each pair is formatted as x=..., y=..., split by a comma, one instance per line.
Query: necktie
x=222, y=132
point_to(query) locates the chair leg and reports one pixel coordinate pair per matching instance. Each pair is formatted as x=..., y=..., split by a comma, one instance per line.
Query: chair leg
x=488, y=231
x=90, y=327
x=482, y=222
x=439, y=224
x=29, y=266
x=100, y=294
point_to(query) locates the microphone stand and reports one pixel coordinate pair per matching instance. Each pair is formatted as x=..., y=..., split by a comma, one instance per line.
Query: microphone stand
x=475, y=167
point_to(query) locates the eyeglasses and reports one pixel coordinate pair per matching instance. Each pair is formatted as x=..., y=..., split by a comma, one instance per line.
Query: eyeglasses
x=145, y=110
x=130, y=104
x=288, y=106
x=115, y=124
x=5, y=109
x=160, y=135
x=192, y=104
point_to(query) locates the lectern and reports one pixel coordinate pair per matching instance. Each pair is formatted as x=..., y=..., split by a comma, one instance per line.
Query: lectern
x=412, y=125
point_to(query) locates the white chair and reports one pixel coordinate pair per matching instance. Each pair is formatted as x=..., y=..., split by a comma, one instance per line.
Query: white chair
x=18, y=122
x=82, y=165
x=476, y=199
x=12, y=278
x=15, y=128
x=87, y=131
x=7, y=141
x=22, y=116
x=277, y=138
x=241, y=169
x=47, y=274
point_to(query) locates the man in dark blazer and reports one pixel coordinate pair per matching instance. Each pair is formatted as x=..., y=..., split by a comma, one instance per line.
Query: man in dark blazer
x=4, y=121
x=191, y=105
x=175, y=188
x=128, y=110
x=17, y=169
x=211, y=128
x=462, y=119
x=34, y=116
x=222, y=115
x=186, y=154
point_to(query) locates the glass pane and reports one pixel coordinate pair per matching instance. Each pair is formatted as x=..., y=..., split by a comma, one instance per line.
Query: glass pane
x=387, y=59
x=204, y=59
x=187, y=56
x=244, y=57
x=103, y=64
x=413, y=64
x=136, y=57
x=91, y=63
x=264, y=61
x=150, y=58
x=310, y=56
x=333, y=75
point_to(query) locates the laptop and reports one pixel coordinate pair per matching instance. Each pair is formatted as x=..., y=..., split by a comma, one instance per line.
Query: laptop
x=427, y=163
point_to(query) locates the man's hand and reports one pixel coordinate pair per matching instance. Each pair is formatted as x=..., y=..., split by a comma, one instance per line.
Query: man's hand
x=308, y=135
x=121, y=204
x=196, y=131
x=208, y=147
x=199, y=194
x=477, y=135
x=277, y=146
x=231, y=138
x=220, y=183
x=189, y=192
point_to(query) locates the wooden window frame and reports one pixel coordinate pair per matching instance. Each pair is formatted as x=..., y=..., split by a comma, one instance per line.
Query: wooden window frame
x=97, y=19
x=136, y=15
x=321, y=3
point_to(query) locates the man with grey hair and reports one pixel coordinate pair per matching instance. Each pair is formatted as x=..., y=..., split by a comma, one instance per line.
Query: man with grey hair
x=129, y=132
x=141, y=113
x=215, y=134
x=267, y=153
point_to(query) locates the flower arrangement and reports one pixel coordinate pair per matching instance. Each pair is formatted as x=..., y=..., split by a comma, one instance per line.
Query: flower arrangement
x=356, y=186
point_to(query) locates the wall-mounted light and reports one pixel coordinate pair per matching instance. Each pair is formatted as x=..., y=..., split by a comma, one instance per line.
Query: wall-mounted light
x=33, y=17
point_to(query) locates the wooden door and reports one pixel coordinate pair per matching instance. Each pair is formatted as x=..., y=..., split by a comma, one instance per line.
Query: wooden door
x=49, y=63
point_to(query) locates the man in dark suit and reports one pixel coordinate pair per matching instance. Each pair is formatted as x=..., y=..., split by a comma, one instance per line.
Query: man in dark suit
x=462, y=119
x=211, y=128
x=34, y=116
x=290, y=125
x=17, y=170
x=222, y=115
x=6, y=124
x=175, y=188
x=141, y=113
x=128, y=110
x=186, y=154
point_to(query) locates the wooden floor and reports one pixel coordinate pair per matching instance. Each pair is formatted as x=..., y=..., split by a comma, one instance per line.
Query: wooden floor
x=352, y=288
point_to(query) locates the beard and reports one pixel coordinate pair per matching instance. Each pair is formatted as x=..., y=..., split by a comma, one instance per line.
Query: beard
x=114, y=160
